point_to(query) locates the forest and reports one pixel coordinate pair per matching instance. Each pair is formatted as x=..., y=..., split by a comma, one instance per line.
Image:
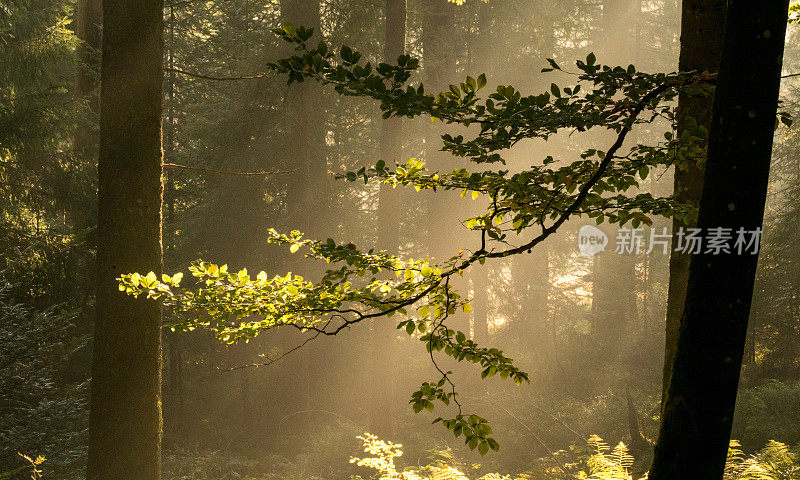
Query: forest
x=399, y=240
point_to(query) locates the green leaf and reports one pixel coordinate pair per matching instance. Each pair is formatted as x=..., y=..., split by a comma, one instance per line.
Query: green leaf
x=483, y=448
x=410, y=327
x=481, y=81
x=493, y=444
x=555, y=90
x=473, y=442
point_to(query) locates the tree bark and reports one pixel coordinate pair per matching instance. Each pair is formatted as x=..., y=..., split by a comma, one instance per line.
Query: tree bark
x=125, y=409
x=699, y=406
x=702, y=24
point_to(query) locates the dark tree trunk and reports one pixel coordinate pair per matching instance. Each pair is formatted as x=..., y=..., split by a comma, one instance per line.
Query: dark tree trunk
x=639, y=443
x=384, y=334
x=698, y=411
x=391, y=142
x=125, y=412
x=702, y=24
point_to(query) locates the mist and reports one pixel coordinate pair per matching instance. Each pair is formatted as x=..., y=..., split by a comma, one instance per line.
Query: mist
x=248, y=387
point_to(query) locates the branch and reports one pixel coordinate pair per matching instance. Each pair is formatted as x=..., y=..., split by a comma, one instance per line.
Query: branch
x=215, y=78
x=272, y=360
x=226, y=172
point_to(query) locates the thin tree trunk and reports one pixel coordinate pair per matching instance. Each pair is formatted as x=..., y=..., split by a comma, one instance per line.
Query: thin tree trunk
x=698, y=411
x=702, y=24
x=88, y=21
x=439, y=69
x=306, y=199
x=480, y=303
x=174, y=339
x=125, y=409
x=89, y=18
x=306, y=133
x=614, y=276
x=384, y=334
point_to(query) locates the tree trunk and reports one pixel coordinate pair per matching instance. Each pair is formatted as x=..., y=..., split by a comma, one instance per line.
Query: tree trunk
x=88, y=21
x=617, y=32
x=307, y=198
x=175, y=348
x=698, y=411
x=125, y=409
x=480, y=303
x=702, y=24
x=439, y=69
x=89, y=18
x=391, y=142
x=614, y=306
x=614, y=300
x=384, y=333
x=306, y=134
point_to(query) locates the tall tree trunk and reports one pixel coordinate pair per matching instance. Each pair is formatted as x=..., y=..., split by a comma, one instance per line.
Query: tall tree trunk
x=174, y=339
x=702, y=24
x=439, y=69
x=699, y=406
x=88, y=21
x=391, y=142
x=617, y=32
x=384, y=333
x=614, y=306
x=125, y=410
x=306, y=133
x=307, y=200
x=89, y=18
x=614, y=300
x=480, y=303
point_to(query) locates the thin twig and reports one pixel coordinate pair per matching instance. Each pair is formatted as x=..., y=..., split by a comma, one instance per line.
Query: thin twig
x=216, y=78
x=227, y=172
x=272, y=360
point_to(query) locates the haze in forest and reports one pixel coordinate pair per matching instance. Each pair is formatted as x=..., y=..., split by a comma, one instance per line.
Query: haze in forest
x=202, y=123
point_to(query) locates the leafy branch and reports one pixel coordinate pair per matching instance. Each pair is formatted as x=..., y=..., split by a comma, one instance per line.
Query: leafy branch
x=372, y=284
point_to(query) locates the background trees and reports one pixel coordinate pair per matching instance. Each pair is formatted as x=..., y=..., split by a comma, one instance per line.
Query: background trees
x=537, y=308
